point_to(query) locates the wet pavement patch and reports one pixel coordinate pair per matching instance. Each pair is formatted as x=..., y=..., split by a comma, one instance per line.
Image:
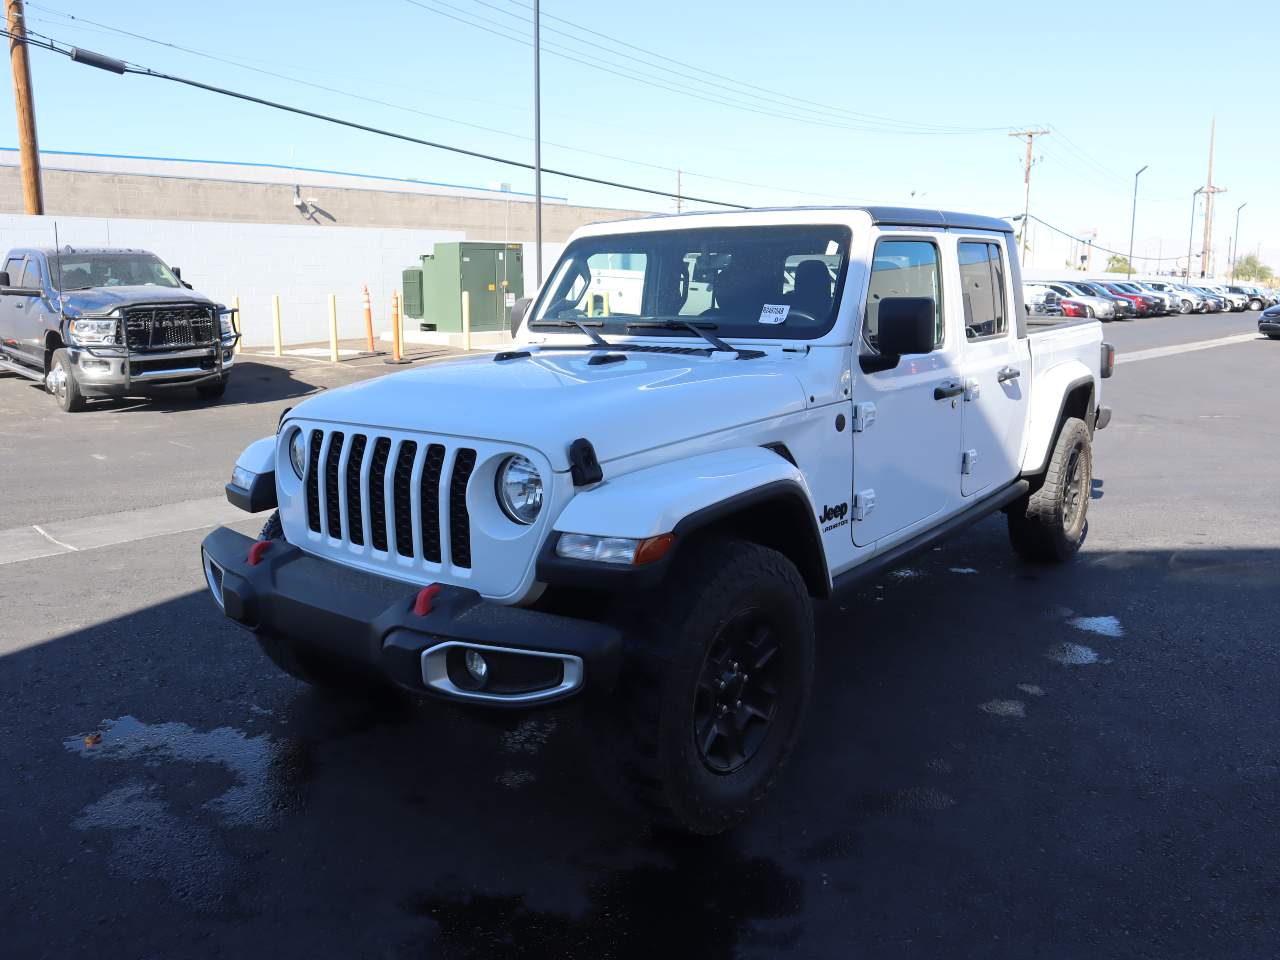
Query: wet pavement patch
x=265, y=773
x=1103, y=626
x=1073, y=654
x=1004, y=708
x=706, y=902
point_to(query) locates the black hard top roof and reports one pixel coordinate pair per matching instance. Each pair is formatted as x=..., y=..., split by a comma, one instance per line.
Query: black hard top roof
x=884, y=216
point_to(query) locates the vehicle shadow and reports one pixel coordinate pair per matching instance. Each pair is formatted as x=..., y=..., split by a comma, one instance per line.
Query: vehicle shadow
x=994, y=750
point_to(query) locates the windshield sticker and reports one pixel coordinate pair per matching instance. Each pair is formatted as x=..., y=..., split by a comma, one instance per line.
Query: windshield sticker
x=774, y=312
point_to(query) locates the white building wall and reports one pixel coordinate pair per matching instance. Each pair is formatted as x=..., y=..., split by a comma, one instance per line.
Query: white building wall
x=302, y=264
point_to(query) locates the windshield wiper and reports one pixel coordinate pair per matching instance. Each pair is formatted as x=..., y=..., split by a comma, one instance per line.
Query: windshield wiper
x=700, y=328
x=583, y=325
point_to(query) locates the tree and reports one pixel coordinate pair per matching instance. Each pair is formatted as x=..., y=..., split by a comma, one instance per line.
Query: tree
x=1249, y=267
x=1118, y=264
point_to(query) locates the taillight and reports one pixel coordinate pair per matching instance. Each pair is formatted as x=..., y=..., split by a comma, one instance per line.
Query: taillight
x=1108, y=364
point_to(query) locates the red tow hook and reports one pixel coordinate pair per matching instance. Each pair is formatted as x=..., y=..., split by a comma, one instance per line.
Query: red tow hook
x=422, y=605
x=257, y=550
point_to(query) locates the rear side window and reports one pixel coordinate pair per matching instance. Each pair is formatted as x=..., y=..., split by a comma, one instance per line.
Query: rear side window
x=982, y=279
x=13, y=267
x=903, y=268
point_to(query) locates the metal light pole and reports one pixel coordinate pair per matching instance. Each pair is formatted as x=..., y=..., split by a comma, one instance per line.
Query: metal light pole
x=1236, y=247
x=537, y=138
x=1133, y=219
x=1191, y=234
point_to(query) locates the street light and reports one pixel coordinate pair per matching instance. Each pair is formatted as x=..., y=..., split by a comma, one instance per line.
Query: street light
x=537, y=138
x=1236, y=245
x=1133, y=219
x=1191, y=233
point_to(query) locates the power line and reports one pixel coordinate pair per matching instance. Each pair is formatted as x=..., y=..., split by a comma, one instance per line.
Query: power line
x=780, y=98
x=637, y=76
x=423, y=113
x=110, y=63
x=1071, y=236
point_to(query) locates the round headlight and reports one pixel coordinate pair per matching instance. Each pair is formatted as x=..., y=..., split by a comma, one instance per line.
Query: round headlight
x=519, y=489
x=298, y=453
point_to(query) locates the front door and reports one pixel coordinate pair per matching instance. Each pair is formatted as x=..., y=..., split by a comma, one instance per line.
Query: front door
x=906, y=444
x=996, y=367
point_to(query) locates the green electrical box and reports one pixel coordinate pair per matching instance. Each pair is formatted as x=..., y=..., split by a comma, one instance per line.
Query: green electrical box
x=492, y=274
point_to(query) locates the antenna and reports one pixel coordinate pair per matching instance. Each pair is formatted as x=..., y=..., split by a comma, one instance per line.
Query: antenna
x=57, y=257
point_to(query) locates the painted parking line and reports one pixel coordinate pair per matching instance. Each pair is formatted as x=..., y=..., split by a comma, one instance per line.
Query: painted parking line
x=91, y=533
x=1178, y=348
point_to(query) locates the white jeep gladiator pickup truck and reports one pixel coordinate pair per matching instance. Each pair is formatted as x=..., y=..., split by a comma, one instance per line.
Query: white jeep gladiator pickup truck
x=640, y=506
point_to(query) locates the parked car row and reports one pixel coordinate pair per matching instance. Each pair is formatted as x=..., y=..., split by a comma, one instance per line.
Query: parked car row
x=1108, y=299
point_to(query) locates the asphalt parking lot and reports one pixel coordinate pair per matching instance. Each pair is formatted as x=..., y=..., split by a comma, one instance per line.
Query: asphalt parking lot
x=1001, y=760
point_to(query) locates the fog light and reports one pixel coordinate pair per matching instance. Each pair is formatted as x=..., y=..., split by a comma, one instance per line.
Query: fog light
x=476, y=666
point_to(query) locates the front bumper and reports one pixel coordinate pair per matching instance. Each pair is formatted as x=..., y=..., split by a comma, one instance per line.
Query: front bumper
x=1269, y=325
x=319, y=607
x=102, y=371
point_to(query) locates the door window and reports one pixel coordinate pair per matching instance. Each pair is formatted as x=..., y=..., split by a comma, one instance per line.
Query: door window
x=982, y=279
x=903, y=268
x=13, y=267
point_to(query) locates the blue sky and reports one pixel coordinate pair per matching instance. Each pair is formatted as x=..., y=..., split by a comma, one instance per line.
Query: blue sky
x=758, y=103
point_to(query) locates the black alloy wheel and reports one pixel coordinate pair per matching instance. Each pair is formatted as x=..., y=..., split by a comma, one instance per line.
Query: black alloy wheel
x=738, y=689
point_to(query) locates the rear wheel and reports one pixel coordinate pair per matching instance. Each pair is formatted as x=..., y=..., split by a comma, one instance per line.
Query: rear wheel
x=1050, y=524
x=1255, y=304
x=1185, y=306
x=62, y=383
x=712, y=699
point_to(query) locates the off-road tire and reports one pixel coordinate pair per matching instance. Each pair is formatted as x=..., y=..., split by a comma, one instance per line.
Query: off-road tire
x=325, y=674
x=1049, y=525
x=69, y=397
x=646, y=746
x=212, y=391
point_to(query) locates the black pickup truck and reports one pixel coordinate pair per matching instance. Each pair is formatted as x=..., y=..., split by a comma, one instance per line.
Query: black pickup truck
x=104, y=322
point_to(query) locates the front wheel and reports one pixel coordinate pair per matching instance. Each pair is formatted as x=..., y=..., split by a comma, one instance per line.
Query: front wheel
x=212, y=390
x=1255, y=304
x=1185, y=306
x=1049, y=525
x=62, y=383
x=717, y=684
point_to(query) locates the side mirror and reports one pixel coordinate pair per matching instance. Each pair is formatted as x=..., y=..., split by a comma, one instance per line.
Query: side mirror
x=905, y=326
x=176, y=271
x=518, y=310
x=4, y=279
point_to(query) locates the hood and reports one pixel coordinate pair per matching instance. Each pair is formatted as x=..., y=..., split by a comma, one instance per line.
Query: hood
x=106, y=299
x=548, y=400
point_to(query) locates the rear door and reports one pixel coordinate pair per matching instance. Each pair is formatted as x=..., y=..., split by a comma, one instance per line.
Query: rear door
x=996, y=367
x=906, y=439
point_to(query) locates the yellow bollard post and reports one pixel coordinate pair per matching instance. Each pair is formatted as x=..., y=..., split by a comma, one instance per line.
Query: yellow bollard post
x=466, y=320
x=333, y=328
x=275, y=323
x=235, y=322
x=397, y=346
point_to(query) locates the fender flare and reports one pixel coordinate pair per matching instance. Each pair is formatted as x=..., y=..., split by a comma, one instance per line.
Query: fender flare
x=1048, y=405
x=682, y=497
x=259, y=460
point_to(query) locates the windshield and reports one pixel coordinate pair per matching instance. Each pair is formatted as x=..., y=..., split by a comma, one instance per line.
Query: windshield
x=84, y=271
x=768, y=281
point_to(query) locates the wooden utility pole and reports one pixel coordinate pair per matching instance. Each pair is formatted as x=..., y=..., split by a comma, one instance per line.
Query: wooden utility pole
x=1206, y=251
x=1030, y=136
x=24, y=104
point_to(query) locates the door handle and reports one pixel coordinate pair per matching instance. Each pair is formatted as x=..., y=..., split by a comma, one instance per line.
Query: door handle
x=1008, y=373
x=948, y=390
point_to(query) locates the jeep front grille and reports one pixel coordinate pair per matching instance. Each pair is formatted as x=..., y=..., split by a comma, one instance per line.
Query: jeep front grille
x=361, y=488
x=170, y=326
